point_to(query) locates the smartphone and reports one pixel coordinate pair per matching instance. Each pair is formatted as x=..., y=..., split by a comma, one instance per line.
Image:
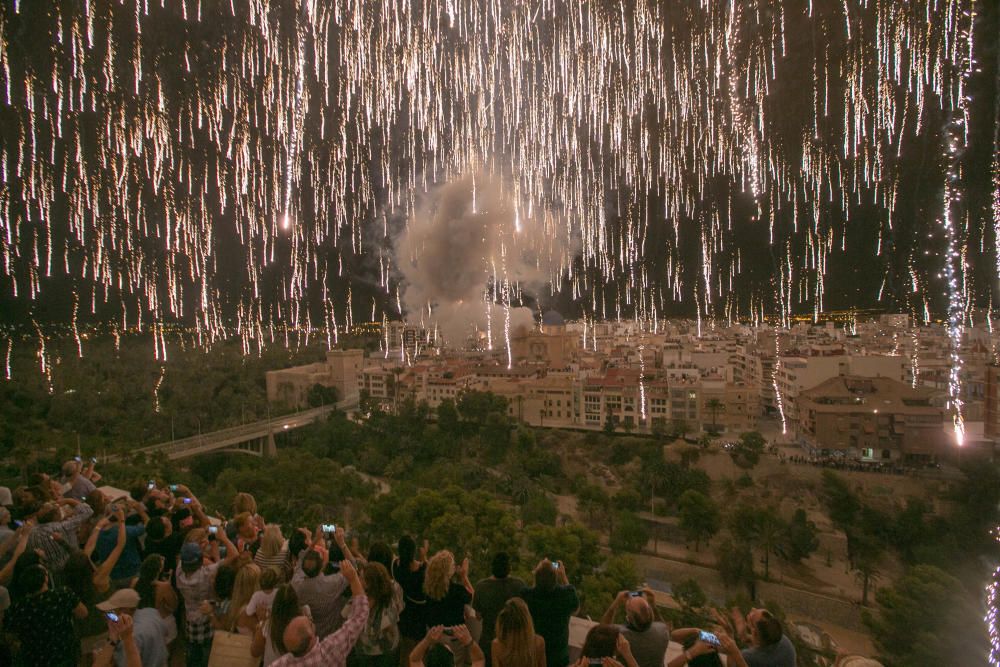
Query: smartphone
x=151, y=485
x=173, y=488
x=213, y=530
x=246, y=547
x=329, y=528
x=449, y=631
x=635, y=594
x=77, y=459
x=93, y=459
x=18, y=523
x=112, y=616
x=709, y=638
x=555, y=565
x=187, y=501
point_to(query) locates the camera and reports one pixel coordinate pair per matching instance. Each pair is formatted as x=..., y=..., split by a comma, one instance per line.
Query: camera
x=709, y=638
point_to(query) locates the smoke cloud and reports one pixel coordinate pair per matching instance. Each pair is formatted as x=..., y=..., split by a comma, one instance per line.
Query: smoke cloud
x=466, y=234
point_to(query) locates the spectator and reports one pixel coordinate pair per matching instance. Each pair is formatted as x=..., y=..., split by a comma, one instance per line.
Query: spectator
x=491, y=596
x=119, y=634
x=605, y=642
x=268, y=641
x=17, y=543
x=195, y=582
x=162, y=539
x=380, y=552
x=701, y=653
x=770, y=647
x=516, y=644
x=552, y=601
x=647, y=637
x=246, y=585
x=301, y=640
x=5, y=529
x=156, y=593
x=430, y=650
x=127, y=566
x=42, y=621
x=148, y=629
x=248, y=532
x=321, y=592
x=409, y=570
x=56, y=536
x=90, y=584
x=273, y=551
x=262, y=599
x=378, y=642
x=446, y=598
x=77, y=485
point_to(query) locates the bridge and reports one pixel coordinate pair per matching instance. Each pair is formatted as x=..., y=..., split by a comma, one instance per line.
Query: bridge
x=256, y=438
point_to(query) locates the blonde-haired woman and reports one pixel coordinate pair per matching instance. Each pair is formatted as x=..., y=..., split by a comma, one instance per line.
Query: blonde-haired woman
x=446, y=598
x=516, y=644
x=247, y=583
x=273, y=551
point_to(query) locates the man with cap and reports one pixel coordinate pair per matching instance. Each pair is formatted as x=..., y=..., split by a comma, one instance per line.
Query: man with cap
x=196, y=583
x=148, y=629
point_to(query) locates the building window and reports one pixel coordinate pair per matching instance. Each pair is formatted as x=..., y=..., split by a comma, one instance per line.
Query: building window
x=867, y=453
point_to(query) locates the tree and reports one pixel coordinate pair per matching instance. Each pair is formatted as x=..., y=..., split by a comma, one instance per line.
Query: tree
x=841, y=503
x=699, y=517
x=610, y=423
x=926, y=619
x=447, y=416
x=761, y=528
x=748, y=450
x=476, y=406
x=320, y=395
x=734, y=560
x=591, y=498
x=629, y=534
x=539, y=508
x=576, y=546
x=690, y=595
x=681, y=428
x=800, y=538
x=598, y=589
x=628, y=499
x=714, y=405
x=864, y=551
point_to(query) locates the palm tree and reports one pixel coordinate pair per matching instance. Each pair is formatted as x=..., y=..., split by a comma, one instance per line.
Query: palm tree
x=866, y=572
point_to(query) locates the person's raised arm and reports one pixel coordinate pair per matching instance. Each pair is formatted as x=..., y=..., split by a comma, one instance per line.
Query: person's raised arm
x=464, y=637
x=340, y=537
x=681, y=635
x=432, y=637
x=609, y=614
x=463, y=574
x=81, y=512
x=91, y=544
x=625, y=651
x=728, y=646
x=104, y=570
x=140, y=509
x=231, y=552
x=699, y=648
x=21, y=537
x=119, y=631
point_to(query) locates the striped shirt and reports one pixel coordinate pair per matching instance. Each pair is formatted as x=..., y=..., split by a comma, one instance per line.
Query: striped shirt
x=57, y=551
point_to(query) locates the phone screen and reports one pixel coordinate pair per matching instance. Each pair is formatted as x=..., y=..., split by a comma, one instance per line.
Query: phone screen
x=329, y=528
x=187, y=501
x=555, y=565
x=708, y=638
x=112, y=616
x=213, y=530
x=173, y=488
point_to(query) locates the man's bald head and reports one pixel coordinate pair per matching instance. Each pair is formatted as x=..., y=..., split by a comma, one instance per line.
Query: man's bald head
x=638, y=613
x=299, y=636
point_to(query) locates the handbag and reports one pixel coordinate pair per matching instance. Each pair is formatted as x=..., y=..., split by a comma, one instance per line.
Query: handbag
x=231, y=649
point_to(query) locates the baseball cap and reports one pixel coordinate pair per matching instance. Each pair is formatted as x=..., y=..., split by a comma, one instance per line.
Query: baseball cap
x=126, y=598
x=191, y=555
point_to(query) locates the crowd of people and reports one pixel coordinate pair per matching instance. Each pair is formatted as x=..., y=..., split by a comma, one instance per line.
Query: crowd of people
x=147, y=578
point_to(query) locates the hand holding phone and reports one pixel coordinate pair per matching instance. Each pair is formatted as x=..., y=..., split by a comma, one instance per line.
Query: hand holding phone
x=709, y=638
x=213, y=530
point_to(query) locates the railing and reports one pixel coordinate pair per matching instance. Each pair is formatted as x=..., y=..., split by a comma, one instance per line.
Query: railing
x=236, y=434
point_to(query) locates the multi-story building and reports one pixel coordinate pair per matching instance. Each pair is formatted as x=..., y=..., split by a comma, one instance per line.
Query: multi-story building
x=290, y=386
x=872, y=419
